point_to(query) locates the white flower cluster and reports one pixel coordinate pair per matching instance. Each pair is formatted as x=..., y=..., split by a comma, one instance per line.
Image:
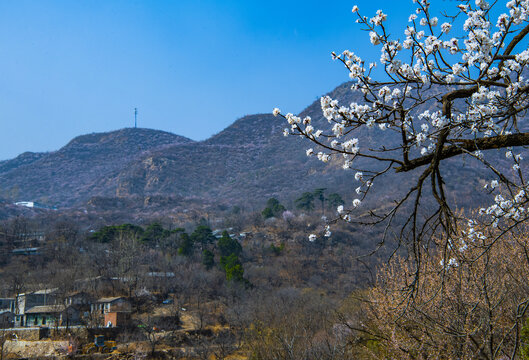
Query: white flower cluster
x=427, y=64
x=505, y=209
x=471, y=235
x=452, y=262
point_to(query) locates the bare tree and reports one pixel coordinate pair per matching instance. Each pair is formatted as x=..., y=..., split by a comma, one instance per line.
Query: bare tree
x=290, y=324
x=125, y=257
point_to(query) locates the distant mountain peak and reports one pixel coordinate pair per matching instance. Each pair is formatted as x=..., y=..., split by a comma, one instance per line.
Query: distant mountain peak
x=79, y=169
x=250, y=129
x=133, y=134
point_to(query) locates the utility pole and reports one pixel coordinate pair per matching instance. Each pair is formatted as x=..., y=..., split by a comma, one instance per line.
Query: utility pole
x=135, y=118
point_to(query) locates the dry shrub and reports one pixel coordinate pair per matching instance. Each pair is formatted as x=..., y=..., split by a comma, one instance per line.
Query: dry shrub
x=468, y=300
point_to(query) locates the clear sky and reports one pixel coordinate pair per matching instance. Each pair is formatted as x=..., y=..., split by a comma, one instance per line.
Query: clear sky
x=190, y=67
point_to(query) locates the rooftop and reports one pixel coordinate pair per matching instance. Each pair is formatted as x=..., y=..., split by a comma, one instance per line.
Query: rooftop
x=46, y=309
x=45, y=291
x=109, y=299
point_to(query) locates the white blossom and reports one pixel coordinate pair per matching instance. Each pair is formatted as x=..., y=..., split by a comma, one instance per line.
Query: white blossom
x=445, y=27
x=374, y=38
x=327, y=231
x=420, y=69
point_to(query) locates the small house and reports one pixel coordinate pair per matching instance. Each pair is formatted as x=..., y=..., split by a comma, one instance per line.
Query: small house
x=117, y=319
x=26, y=301
x=110, y=304
x=26, y=251
x=52, y=315
x=79, y=299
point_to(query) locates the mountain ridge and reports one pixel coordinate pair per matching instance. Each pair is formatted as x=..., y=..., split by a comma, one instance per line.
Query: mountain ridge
x=246, y=163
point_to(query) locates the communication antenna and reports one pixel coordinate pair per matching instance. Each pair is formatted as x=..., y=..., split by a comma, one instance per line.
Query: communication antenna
x=135, y=118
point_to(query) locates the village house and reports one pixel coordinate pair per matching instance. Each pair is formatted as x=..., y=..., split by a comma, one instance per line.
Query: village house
x=39, y=307
x=110, y=304
x=79, y=299
x=116, y=319
x=112, y=311
x=27, y=301
x=52, y=315
x=26, y=251
x=48, y=307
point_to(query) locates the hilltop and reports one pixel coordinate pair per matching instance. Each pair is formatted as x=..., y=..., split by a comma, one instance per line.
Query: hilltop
x=77, y=171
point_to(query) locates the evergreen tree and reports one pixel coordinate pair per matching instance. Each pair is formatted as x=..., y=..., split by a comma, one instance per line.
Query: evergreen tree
x=208, y=259
x=203, y=235
x=273, y=208
x=319, y=194
x=154, y=233
x=334, y=200
x=228, y=246
x=267, y=213
x=233, y=267
x=305, y=201
x=108, y=233
x=186, y=246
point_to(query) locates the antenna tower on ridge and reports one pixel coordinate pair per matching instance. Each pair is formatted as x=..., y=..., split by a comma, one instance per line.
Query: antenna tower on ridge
x=135, y=117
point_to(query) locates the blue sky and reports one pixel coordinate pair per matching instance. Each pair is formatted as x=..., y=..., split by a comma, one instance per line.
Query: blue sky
x=190, y=67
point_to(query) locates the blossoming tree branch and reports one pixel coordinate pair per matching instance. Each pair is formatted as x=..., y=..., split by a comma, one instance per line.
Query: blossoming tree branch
x=455, y=85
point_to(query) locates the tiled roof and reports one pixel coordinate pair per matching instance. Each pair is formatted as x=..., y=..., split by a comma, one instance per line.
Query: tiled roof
x=46, y=309
x=45, y=291
x=109, y=299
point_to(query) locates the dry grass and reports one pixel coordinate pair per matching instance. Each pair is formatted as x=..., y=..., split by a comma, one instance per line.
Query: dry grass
x=33, y=349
